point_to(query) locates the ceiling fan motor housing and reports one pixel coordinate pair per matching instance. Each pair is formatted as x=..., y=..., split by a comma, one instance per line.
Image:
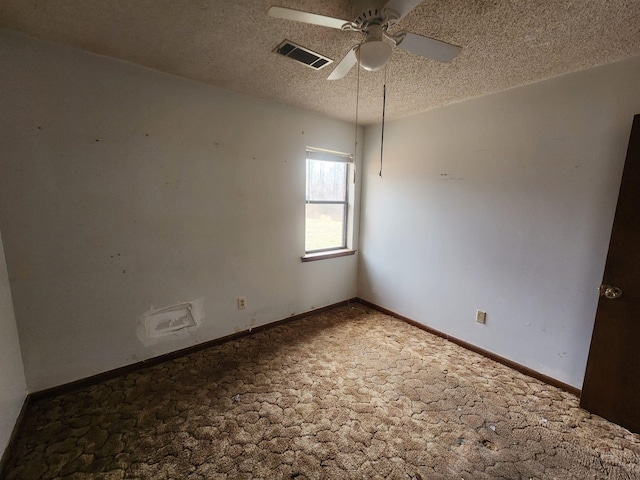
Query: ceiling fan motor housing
x=374, y=16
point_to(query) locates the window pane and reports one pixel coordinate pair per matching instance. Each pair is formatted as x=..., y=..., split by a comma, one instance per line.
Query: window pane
x=326, y=180
x=324, y=227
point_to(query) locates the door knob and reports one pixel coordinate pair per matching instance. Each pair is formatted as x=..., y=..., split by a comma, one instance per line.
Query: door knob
x=610, y=291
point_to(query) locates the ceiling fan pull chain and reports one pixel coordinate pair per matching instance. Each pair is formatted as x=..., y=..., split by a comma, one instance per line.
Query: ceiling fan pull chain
x=384, y=105
x=355, y=147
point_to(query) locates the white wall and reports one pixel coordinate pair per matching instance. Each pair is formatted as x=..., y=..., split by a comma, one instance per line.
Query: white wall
x=13, y=389
x=503, y=203
x=124, y=189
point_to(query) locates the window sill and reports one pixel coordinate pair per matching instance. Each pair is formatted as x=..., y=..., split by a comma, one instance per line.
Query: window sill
x=312, y=257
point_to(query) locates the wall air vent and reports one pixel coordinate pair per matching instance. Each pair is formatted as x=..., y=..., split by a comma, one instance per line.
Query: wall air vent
x=302, y=55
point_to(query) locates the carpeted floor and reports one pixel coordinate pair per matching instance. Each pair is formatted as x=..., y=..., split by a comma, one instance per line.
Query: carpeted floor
x=349, y=393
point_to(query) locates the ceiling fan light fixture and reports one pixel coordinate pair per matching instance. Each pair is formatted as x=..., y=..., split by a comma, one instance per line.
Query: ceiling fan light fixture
x=373, y=54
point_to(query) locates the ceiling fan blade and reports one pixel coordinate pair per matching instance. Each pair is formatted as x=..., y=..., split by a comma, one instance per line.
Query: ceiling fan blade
x=402, y=7
x=305, y=17
x=346, y=64
x=429, y=47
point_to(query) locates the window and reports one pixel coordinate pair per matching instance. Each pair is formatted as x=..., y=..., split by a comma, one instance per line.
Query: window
x=327, y=201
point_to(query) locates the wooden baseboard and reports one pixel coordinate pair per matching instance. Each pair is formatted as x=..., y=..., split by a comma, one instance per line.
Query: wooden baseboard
x=486, y=353
x=101, y=377
x=94, y=379
x=17, y=427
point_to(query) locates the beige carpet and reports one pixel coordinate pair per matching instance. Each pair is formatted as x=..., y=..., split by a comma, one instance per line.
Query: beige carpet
x=349, y=393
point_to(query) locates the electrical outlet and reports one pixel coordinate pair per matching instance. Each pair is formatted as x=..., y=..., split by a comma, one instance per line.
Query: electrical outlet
x=242, y=303
x=481, y=317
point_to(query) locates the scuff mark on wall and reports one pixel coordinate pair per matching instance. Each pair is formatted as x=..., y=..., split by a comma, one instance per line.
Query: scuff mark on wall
x=170, y=323
x=23, y=271
x=168, y=320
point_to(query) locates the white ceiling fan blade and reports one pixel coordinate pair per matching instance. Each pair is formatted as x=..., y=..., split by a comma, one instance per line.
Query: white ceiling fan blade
x=346, y=64
x=402, y=7
x=429, y=47
x=305, y=17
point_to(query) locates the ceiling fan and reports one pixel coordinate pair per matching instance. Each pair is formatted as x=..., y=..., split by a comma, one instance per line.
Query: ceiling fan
x=373, y=52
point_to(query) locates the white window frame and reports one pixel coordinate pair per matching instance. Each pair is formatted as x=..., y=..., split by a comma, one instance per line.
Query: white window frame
x=332, y=156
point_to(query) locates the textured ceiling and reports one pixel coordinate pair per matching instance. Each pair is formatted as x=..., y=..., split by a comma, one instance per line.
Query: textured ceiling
x=229, y=44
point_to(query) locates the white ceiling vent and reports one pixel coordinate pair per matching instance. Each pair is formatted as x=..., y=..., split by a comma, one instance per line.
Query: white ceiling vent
x=302, y=55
